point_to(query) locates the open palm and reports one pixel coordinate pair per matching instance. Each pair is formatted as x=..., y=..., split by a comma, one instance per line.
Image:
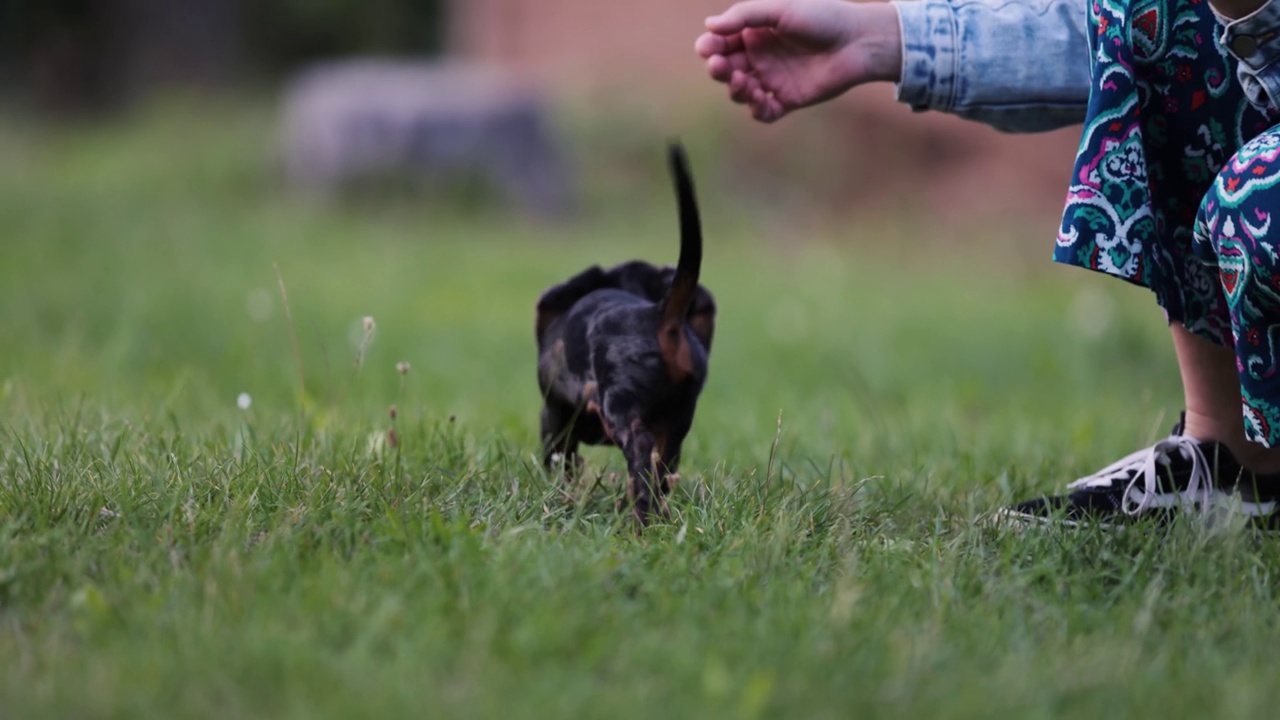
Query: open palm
x=778, y=56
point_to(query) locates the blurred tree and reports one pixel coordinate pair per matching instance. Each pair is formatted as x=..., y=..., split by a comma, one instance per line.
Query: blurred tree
x=285, y=33
x=84, y=55
x=54, y=50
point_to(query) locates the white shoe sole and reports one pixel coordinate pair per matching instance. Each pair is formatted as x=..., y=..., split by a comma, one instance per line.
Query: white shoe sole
x=1221, y=507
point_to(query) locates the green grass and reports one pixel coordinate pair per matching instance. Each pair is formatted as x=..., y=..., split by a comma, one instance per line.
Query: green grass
x=164, y=554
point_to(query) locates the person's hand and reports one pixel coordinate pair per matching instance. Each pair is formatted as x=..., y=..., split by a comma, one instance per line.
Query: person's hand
x=782, y=55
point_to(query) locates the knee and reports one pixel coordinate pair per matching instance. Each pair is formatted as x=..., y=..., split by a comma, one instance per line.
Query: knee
x=1248, y=181
x=1237, y=210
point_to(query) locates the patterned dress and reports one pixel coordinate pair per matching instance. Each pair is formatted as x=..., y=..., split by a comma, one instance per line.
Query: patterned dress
x=1175, y=184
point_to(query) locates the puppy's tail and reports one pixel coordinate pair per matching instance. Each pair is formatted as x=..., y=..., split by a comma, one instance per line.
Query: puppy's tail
x=679, y=299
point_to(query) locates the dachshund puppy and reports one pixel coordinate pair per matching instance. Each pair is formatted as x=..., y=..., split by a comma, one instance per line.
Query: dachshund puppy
x=622, y=358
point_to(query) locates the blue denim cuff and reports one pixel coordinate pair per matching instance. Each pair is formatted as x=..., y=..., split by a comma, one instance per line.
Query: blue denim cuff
x=929, y=53
x=1016, y=65
x=1254, y=40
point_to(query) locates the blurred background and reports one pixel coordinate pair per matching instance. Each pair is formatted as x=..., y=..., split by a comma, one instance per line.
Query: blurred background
x=168, y=168
x=624, y=70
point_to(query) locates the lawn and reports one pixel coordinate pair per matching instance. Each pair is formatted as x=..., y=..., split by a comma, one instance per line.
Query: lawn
x=873, y=393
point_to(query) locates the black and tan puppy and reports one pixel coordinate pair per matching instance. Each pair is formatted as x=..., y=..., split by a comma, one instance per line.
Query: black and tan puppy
x=622, y=357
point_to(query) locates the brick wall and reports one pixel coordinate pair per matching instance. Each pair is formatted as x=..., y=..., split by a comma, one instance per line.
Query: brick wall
x=585, y=41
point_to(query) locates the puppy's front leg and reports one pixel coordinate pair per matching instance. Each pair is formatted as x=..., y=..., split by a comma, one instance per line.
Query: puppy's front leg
x=669, y=470
x=644, y=466
x=559, y=438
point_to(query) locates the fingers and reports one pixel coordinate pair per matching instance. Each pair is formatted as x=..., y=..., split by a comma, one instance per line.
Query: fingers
x=723, y=49
x=742, y=86
x=760, y=102
x=745, y=89
x=709, y=44
x=765, y=107
x=749, y=14
x=721, y=68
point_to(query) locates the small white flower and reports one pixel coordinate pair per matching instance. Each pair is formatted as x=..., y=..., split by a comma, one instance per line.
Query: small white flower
x=369, y=324
x=376, y=444
x=402, y=367
x=244, y=401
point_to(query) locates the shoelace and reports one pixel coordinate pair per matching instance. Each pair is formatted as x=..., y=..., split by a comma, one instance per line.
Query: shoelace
x=1143, y=466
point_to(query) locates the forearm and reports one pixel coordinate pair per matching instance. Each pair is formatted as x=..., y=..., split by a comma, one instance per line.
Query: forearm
x=1017, y=65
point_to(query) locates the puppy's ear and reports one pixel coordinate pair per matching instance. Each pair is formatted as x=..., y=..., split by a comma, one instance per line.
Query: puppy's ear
x=558, y=299
x=702, y=317
x=701, y=320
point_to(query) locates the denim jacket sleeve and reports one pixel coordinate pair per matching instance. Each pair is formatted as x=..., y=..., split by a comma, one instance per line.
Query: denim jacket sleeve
x=1254, y=40
x=1016, y=65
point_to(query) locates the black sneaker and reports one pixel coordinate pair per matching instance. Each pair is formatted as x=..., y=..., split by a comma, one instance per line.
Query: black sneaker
x=1177, y=474
x=1256, y=498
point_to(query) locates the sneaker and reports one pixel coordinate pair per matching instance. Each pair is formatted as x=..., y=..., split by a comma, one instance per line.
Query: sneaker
x=1178, y=474
x=1256, y=498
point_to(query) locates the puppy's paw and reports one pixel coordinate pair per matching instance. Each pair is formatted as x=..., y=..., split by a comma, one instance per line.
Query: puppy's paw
x=569, y=468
